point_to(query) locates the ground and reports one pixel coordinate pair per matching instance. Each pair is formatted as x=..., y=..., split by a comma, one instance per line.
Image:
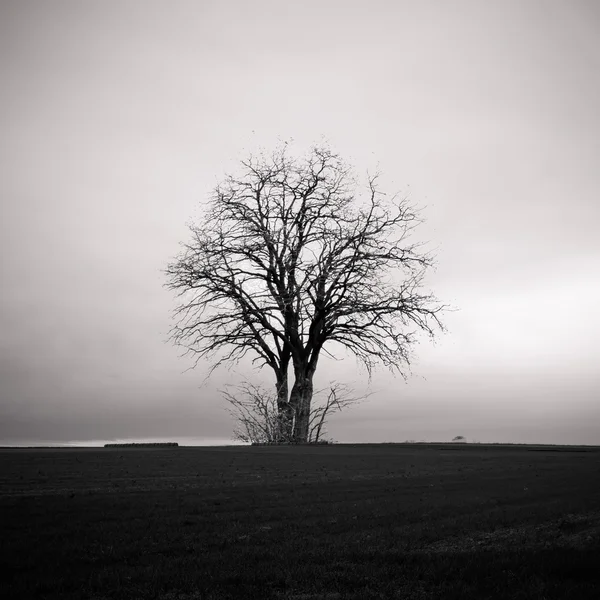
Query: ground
x=301, y=523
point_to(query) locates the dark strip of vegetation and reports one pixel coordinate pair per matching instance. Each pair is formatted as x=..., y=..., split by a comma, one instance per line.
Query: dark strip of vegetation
x=292, y=443
x=143, y=445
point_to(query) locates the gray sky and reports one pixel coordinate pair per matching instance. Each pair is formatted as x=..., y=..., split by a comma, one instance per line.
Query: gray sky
x=118, y=117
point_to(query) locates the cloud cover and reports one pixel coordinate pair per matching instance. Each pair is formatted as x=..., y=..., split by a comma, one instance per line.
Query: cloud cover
x=119, y=117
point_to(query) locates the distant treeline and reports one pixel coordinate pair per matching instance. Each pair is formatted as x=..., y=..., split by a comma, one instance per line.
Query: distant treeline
x=142, y=445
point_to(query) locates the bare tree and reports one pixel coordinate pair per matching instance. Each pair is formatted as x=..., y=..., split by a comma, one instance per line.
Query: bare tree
x=256, y=412
x=291, y=261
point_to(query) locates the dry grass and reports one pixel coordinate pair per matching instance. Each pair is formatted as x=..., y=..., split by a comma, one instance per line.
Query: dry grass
x=337, y=522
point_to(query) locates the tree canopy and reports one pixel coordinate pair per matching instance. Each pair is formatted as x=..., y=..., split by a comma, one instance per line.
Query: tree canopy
x=292, y=259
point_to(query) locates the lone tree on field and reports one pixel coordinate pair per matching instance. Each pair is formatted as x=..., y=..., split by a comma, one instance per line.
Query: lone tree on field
x=290, y=260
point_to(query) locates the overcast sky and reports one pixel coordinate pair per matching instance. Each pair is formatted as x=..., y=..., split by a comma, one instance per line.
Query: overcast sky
x=118, y=118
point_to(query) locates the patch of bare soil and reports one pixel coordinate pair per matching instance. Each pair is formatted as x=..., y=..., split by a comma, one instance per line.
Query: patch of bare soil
x=572, y=530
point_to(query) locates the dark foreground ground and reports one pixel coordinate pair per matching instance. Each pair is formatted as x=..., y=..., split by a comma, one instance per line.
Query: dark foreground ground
x=335, y=522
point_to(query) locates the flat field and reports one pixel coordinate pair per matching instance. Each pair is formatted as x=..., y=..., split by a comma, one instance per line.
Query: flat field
x=301, y=523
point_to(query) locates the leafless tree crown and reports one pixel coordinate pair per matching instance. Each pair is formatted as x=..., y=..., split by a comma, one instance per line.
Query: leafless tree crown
x=290, y=257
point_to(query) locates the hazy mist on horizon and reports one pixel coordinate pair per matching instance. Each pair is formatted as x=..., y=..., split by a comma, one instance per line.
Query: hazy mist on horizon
x=119, y=117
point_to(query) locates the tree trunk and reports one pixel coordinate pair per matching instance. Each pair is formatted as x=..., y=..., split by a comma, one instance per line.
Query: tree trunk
x=285, y=410
x=300, y=399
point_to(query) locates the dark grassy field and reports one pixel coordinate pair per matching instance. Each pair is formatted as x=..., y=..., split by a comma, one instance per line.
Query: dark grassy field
x=341, y=521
